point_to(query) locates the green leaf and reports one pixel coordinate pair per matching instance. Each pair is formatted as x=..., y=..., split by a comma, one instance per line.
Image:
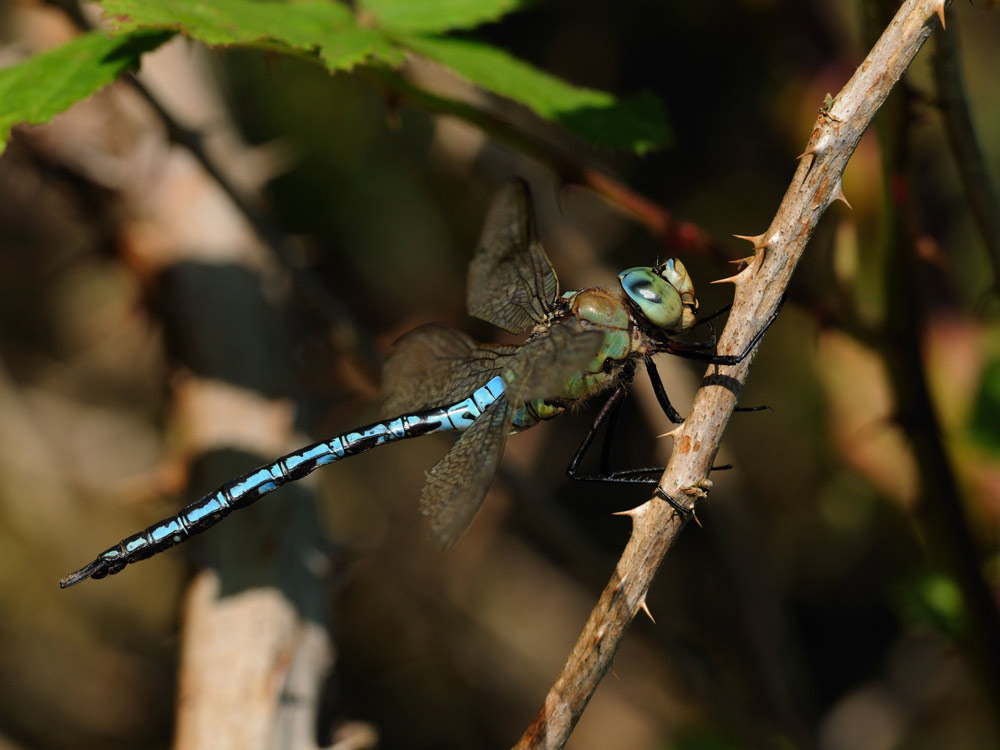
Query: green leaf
x=342, y=49
x=390, y=29
x=41, y=87
x=435, y=16
x=233, y=21
x=322, y=25
x=637, y=123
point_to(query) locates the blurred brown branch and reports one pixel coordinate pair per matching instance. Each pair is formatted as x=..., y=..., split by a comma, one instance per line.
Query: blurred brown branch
x=345, y=332
x=980, y=190
x=759, y=290
x=941, y=512
x=679, y=236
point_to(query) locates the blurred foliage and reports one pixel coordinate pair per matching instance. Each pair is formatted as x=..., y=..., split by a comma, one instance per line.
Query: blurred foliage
x=810, y=611
x=984, y=424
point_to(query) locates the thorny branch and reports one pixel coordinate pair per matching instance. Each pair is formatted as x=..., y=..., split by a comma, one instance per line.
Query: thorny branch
x=759, y=290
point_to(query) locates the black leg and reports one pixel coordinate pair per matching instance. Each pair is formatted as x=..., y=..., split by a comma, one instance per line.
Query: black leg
x=699, y=352
x=684, y=511
x=611, y=418
x=713, y=316
x=608, y=415
x=668, y=409
x=661, y=393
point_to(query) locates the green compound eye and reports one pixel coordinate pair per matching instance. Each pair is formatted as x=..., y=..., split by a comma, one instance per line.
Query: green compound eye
x=664, y=295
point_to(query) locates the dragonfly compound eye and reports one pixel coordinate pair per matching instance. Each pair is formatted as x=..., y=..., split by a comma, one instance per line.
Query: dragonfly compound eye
x=657, y=298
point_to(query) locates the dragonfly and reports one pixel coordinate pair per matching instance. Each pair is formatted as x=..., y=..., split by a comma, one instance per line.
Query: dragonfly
x=579, y=344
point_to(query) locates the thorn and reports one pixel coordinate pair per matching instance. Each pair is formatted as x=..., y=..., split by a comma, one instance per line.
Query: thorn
x=838, y=194
x=734, y=278
x=739, y=278
x=940, y=12
x=644, y=608
x=755, y=239
x=636, y=512
x=811, y=151
x=673, y=432
x=760, y=244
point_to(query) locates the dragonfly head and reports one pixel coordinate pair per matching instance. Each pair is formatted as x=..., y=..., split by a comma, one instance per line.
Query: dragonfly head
x=663, y=294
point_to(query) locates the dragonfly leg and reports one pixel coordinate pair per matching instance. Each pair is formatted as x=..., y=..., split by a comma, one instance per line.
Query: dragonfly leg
x=763, y=407
x=700, y=352
x=661, y=393
x=608, y=415
x=684, y=511
x=713, y=316
x=668, y=409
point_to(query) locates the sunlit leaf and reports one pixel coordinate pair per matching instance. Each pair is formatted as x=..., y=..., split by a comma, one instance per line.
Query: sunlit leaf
x=328, y=28
x=233, y=21
x=638, y=124
x=385, y=30
x=41, y=87
x=435, y=16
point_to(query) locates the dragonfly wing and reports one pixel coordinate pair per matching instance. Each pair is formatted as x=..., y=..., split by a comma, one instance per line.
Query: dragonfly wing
x=543, y=367
x=458, y=483
x=435, y=365
x=511, y=281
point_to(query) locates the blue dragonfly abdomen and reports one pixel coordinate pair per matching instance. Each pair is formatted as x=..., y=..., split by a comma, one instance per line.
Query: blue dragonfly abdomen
x=208, y=510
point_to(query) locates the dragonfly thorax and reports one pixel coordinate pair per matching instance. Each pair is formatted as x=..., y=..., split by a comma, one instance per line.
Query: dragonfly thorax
x=663, y=295
x=601, y=310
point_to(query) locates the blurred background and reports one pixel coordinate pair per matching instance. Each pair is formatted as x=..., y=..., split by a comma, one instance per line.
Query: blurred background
x=157, y=339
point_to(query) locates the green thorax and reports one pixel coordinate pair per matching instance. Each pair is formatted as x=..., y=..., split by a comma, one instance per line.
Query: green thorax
x=600, y=310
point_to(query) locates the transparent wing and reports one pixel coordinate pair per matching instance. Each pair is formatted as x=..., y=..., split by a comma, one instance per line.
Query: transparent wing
x=543, y=367
x=435, y=365
x=458, y=483
x=511, y=281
